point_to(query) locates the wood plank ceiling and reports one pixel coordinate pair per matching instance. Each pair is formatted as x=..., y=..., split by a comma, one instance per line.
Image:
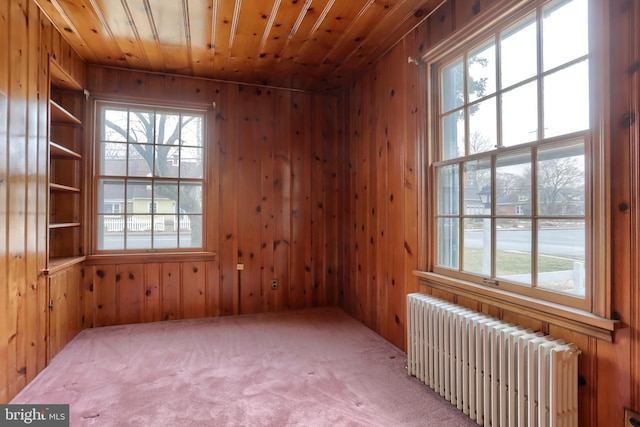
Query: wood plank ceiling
x=302, y=44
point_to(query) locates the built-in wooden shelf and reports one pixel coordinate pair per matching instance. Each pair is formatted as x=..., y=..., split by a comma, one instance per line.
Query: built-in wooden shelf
x=63, y=188
x=60, y=115
x=60, y=78
x=66, y=183
x=58, y=151
x=61, y=263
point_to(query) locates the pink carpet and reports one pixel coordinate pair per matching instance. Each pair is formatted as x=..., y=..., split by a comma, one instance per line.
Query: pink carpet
x=315, y=367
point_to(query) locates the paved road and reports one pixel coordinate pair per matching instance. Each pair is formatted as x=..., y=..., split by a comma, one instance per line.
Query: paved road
x=557, y=242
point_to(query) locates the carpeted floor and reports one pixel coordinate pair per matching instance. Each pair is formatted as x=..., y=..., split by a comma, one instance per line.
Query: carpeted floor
x=315, y=367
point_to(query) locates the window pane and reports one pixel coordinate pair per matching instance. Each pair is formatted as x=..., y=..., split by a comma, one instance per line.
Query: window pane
x=140, y=159
x=139, y=230
x=190, y=231
x=167, y=129
x=477, y=246
x=113, y=158
x=167, y=161
x=483, y=134
x=481, y=72
x=111, y=232
x=453, y=135
x=138, y=197
x=191, y=162
x=191, y=198
x=448, y=237
x=110, y=196
x=519, y=56
x=520, y=115
x=566, y=100
x=513, y=250
x=452, y=89
x=561, y=256
x=166, y=198
x=561, y=180
x=513, y=184
x=168, y=239
x=448, y=190
x=141, y=126
x=565, y=32
x=477, y=186
x=192, y=130
x=115, y=125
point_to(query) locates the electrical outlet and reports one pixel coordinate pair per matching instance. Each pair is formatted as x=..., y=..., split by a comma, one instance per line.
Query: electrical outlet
x=631, y=418
x=274, y=284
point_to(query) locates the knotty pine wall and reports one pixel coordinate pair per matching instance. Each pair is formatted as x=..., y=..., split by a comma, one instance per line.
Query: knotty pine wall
x=274, y=173
x=387, y=127
x=274, y=205
x=27, y=40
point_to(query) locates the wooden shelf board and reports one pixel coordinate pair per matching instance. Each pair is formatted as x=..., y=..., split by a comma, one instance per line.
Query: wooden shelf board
x=64, y=225
x=60, y=78
x=62, y=188
x=60, y=115
x=58, y=151
x=60, y=263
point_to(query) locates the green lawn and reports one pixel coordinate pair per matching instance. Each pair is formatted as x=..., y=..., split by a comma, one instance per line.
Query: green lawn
x=515, y=262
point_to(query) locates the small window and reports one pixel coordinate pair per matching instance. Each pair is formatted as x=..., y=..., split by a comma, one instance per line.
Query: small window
x=513, y=144
x=149, y=171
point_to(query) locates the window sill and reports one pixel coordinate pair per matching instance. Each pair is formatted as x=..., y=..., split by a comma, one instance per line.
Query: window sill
x=576, y=320
x=137, y=258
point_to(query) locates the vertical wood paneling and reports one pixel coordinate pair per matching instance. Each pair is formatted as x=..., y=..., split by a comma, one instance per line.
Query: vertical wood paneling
x=282, y=190
x=152, y=293
x=193, y=290
x=171, y=291
x=332, y=139
x=4, y=148
x=105, y=296
x=249, y=199
x=267, y=152
x=396, y=94
x=318, y=189
x=300, y=286
x=227, y=142
x=634, y=84
x=415, y=111
x=130, y=293
x=17, y=197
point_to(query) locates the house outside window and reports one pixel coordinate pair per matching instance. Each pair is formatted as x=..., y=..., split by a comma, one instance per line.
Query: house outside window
x=513, y=137
x=151, y=159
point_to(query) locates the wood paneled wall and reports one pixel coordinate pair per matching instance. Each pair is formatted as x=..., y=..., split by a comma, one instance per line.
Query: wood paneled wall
x=274, y=205
x=387, y=123
x=27, y=40
x=274, y=200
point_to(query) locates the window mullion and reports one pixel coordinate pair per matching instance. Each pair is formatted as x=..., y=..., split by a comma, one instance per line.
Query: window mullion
x=541, y=132
x=498, y=91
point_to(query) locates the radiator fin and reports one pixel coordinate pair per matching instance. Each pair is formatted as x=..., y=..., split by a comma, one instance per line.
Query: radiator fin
x=497, y=373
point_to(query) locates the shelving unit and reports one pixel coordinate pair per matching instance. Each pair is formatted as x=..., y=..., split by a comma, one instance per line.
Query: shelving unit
x=66, y=230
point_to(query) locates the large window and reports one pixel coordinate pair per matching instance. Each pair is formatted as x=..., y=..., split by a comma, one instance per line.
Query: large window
x=513, y=147
x=149, y=178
